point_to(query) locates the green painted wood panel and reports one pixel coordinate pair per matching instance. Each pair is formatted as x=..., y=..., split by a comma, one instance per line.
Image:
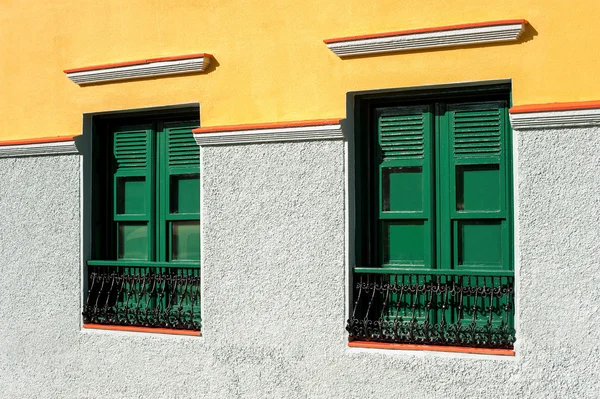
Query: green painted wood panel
x=186, y=240
x=133, y=240
x=131, y=195
x=185, y=192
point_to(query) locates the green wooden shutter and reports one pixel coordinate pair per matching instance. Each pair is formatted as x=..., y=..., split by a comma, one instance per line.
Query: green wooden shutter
x=181, y=185
x=475, y=213
x=133, y=191
x=406, y=226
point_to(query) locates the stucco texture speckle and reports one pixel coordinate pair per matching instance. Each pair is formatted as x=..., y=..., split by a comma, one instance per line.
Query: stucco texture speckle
x=273, y=268
x=559, y=228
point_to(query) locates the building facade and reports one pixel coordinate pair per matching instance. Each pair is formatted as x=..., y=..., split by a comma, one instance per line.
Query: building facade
x=338, y=199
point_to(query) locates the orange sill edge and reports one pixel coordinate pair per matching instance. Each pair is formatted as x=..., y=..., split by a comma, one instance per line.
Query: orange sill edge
x=269, y=125
x=566, y=106
x=138, y=62
x=38, y=140
x=436, y=348
x=141, y=329
x=426, y=30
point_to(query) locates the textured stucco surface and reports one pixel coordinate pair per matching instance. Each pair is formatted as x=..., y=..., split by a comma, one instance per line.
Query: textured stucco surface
x=274, y=284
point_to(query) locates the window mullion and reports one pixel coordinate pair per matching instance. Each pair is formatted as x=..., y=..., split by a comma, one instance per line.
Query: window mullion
x=160, y=192
x=443, y=191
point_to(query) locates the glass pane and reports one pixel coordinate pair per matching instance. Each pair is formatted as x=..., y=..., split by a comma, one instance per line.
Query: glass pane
x=480, y=242
x=404, y=242
x=133, y=241
x=186, y=240
x=478, y=188
x=185, y=193
x=131, y=195
x=402, y=189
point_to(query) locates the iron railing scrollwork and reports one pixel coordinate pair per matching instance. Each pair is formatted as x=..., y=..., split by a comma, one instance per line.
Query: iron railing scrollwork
x=433, y=309
x=144, y=297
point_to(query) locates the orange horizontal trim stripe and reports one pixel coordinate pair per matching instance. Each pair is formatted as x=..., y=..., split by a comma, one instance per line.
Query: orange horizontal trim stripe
x=426, y=30
x=41, y=140
x=437, y=348
x=521, y=109
x=139, y=62
x=142, y=329
x=274, y=125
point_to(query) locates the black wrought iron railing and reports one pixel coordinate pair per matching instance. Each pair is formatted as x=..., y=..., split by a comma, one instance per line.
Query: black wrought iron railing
x=144, y=296
x=433, y=308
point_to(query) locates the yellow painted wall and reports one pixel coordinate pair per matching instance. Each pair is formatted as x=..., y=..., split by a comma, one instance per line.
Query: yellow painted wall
x=271, y=63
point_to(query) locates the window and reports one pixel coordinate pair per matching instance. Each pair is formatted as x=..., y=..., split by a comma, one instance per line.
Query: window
x=434, y=221
x=145, y=267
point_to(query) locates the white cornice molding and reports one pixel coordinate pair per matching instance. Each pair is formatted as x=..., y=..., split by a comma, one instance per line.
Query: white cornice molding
x=555, y=119
x=455, y=35
x=37, y=149
x=139, y=69
x=265, y=133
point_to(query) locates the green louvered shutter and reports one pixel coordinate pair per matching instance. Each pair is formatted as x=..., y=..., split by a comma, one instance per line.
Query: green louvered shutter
x=133, y=191
x=475, y=212
x=405, y=223
x=476, y=215
x=182, y=192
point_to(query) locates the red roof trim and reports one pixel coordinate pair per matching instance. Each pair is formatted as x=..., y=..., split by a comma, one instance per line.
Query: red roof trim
x=521, y=109
x=140, y=62
x=274, y=125
x=41, y=140
x=437, y=348
x=426, y=30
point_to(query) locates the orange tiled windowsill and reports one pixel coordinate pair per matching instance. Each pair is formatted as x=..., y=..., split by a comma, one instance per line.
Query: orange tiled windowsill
x=436, y=348
x=142, y=329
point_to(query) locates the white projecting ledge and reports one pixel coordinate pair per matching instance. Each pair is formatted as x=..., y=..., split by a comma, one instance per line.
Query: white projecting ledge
x=324, y=129
x=555, y=115
x=416, y=39
x=140, y=69
x=36, y=147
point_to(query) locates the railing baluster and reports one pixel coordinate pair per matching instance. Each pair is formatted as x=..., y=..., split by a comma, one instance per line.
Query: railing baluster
x=144, y=297
x=460, y=310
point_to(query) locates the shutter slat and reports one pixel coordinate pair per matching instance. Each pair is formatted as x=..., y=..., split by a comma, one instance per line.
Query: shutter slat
x=182, y=148
x=402, y=136
x=131, y=148
x=404, y=148
x=467, y=140
x=476, y=130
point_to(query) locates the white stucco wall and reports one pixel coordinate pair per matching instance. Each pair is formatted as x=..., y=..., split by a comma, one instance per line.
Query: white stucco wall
x=273, y=271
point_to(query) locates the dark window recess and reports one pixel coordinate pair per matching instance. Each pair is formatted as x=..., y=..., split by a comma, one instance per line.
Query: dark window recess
x=434, y=223
x=145, y=267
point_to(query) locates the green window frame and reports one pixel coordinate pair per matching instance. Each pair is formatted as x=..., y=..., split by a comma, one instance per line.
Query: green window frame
x=434, y=218
x=145, y=256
